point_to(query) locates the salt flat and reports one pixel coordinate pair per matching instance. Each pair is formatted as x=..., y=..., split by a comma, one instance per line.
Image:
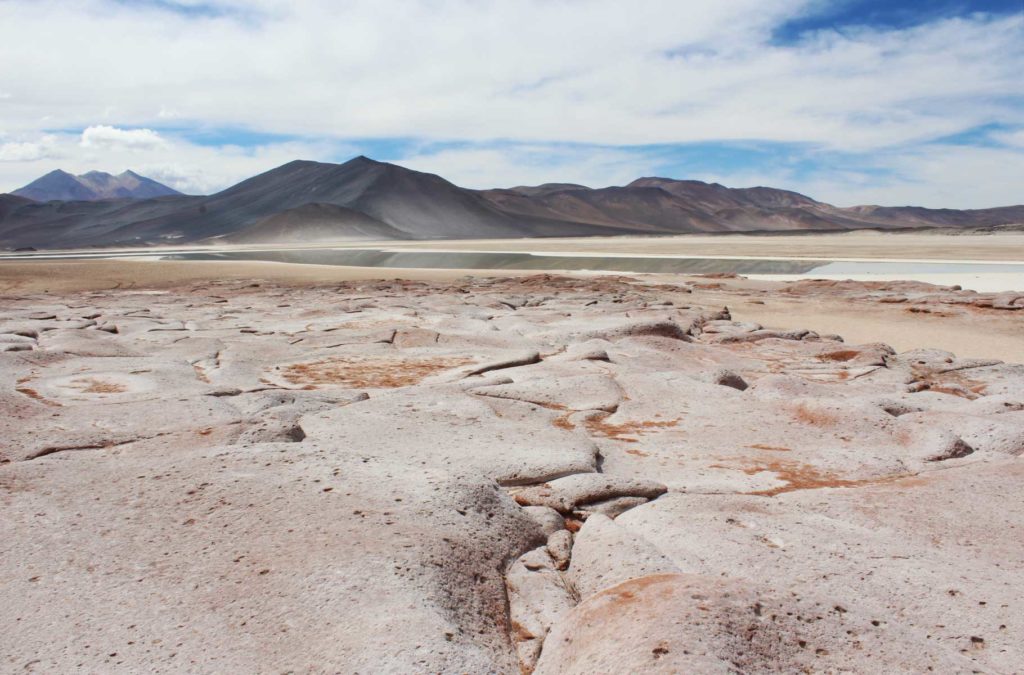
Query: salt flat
x=864, y=245
x=981, y=262
x=858, y=245
x=242, y=467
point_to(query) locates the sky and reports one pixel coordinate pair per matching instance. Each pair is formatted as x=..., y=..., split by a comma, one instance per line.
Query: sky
x=850, y=101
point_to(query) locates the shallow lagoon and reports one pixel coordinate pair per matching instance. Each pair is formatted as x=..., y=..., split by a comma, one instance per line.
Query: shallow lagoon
x=979, y=276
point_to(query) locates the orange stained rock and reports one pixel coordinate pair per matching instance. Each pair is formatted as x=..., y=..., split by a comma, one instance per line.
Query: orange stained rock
x=384, y=373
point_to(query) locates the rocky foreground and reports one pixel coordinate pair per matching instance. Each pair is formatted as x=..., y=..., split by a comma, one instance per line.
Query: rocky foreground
x=543, y=474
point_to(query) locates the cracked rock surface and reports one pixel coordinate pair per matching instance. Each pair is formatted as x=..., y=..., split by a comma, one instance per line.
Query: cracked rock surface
x=537, y=474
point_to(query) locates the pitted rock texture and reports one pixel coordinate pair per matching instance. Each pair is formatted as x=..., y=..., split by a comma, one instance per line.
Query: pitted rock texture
x=589, y=474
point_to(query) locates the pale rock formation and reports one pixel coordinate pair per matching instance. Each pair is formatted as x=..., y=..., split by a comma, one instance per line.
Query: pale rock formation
x=593, y=474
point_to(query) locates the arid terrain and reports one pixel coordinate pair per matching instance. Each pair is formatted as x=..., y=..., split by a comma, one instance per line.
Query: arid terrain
x=678, y=337
x=250, y=467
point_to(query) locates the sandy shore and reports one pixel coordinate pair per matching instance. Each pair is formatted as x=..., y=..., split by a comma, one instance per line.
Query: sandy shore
x=991, y=336
x=51, y=276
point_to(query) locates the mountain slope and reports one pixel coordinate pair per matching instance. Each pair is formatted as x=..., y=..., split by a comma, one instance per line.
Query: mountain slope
x=312, y=223
x=9, y=203
x=93, y=186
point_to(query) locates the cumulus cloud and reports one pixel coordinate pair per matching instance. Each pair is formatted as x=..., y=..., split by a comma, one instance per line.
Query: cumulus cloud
x=28, y=151
x=106, y=138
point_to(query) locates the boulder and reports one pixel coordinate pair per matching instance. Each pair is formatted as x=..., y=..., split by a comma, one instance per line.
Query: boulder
x=537, y=599
x=549, y=520
x=572, y=492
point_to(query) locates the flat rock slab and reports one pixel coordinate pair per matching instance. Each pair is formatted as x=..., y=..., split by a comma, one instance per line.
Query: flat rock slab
x=458, y=432
x=678, y=623
x=878, y=532
x=580, y=392
x=218, y=559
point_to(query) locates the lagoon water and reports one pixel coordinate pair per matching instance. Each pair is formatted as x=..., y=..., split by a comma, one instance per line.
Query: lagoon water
x=979, y=276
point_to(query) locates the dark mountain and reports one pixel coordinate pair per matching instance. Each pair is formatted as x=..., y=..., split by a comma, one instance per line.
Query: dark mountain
x=416, y=205
x=659, y=205
x=58, y=224
x=547, y=188
x=363, y=199
x=56, y=185
x=920, y=216
x=93, y=186
x=9, y=203
x=663, y=205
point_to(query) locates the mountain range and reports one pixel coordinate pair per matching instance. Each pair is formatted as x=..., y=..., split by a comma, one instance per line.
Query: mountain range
x=363, y=199
x=93, y=186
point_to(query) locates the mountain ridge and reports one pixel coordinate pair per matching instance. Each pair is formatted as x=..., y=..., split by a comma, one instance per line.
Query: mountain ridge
x=59, y=185
x=362, y=198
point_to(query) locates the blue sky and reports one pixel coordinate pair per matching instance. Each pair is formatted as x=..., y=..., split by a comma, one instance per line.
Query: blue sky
x=850, y=101
x=844, y=15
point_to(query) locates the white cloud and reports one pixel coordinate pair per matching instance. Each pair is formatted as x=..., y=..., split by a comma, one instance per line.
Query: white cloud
x=483, y=168
x=658, y=71
x=28, y=151
x=533, y=72
x=955, y=176
x=1015, y=138
x=932, y=175
x=107, y=137
x=936, y=175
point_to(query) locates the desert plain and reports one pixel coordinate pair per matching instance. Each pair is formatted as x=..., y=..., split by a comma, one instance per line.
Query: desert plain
x=259, y=467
